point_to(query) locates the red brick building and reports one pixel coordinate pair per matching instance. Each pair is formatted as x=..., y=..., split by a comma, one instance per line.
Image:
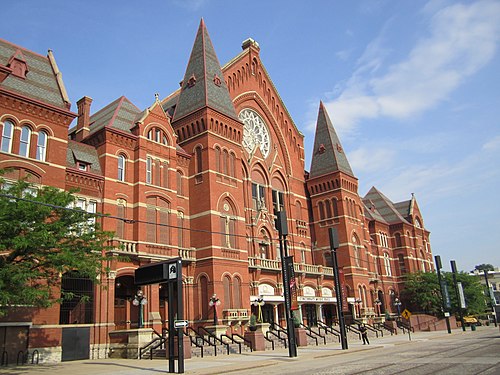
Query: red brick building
x=200, y=175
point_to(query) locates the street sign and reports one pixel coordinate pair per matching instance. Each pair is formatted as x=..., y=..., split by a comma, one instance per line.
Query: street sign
x=406, y=314
x=172, y=271
x=180, y=323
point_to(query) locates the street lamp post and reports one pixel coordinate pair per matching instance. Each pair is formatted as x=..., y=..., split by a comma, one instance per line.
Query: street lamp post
x=397, y=303
x=259, y=302
x=378, y=303
x=214, y=302
x=140, y=301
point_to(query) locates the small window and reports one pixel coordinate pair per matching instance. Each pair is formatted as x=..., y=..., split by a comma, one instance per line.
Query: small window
x=24, y=144
x=8, y=129
x=158, y=135
x=82, y=166
x=41, y=146
x=149, y=170
x=278, y=201
x=121, y=168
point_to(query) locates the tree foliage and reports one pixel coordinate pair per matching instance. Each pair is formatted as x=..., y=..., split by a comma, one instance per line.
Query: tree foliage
x=41, y=238
x=484, y=267
x=422, y=293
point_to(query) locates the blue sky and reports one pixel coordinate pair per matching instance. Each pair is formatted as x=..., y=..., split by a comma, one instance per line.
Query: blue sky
x=412, y=87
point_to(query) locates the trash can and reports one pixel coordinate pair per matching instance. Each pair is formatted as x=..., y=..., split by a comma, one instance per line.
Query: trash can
x=472, y=327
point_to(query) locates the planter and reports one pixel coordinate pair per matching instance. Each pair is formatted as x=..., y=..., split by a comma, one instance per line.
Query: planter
x=256, y=339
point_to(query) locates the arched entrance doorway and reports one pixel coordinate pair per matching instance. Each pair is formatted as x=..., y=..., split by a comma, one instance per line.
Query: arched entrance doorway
x=126, y=314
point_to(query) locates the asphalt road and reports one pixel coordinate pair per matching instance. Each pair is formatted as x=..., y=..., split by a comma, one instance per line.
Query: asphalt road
x=470, y=353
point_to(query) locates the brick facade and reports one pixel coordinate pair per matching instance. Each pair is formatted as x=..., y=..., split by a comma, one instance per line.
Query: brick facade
x=185, y=178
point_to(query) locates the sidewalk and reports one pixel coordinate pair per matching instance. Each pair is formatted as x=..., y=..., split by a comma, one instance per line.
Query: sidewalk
x=222, y=363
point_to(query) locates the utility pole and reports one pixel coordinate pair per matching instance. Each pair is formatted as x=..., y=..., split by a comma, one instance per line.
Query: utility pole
x=334, y=245
x=444, y=291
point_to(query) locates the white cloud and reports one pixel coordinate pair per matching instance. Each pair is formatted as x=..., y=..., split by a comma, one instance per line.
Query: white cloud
x=461, y=40
x=373, y=160
x=492, y=144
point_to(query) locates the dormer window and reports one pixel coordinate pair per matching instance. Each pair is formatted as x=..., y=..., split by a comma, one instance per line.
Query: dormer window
x=17, y=63
x=82, y=166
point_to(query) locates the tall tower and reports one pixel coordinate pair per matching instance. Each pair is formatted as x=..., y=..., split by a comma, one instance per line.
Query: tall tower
x=333, y=190
x=209, y=130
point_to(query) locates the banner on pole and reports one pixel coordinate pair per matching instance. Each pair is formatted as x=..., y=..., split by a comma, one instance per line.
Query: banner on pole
x=343, y=291
x=461, y=295
x=294, y=304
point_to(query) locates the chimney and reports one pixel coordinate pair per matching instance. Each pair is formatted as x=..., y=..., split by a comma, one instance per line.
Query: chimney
x=83, y=122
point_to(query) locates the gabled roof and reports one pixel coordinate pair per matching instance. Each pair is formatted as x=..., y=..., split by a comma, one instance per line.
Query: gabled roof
x=77, y=151
x=328, y=154
x=203, y=84
x=384, y=207
x=120, y=114
x=43, y=80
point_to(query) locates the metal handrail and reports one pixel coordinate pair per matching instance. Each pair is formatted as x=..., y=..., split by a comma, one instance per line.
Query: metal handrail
x=247, y=342
x=313, y=334
x=369, y=327
x=20, y=353
x=324, y=326
x=404, y=326
x=203, y=339
x=276, y=327
x=195, y=343
x=232, y=340
x=350, y=327
x=215, y=338
x=157, y=342
x=33, y=357
x=5, y=358
x=278, y=336
x=270, y=340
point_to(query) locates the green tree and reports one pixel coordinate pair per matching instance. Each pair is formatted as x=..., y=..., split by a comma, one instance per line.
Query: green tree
x=473, y=293
x=484, y=267
x=421, y=293
x=41, y=238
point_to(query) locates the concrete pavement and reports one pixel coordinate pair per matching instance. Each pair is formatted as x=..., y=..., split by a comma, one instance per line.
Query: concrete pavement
x=224, y=364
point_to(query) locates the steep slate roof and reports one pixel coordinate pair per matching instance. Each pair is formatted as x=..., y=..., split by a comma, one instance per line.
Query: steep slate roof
x=384, y=206
x=43, y=80
x=77, y=151
x=328, y=154
x=403, y=208
x=371, y=211
x=120, y=114
x=209, y=89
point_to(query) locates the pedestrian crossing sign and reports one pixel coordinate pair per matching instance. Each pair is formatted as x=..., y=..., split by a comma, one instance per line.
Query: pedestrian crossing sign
x=406, y=314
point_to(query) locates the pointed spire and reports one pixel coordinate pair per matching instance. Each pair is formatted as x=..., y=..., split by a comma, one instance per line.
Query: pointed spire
x=328, y=154
x=203, y=84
